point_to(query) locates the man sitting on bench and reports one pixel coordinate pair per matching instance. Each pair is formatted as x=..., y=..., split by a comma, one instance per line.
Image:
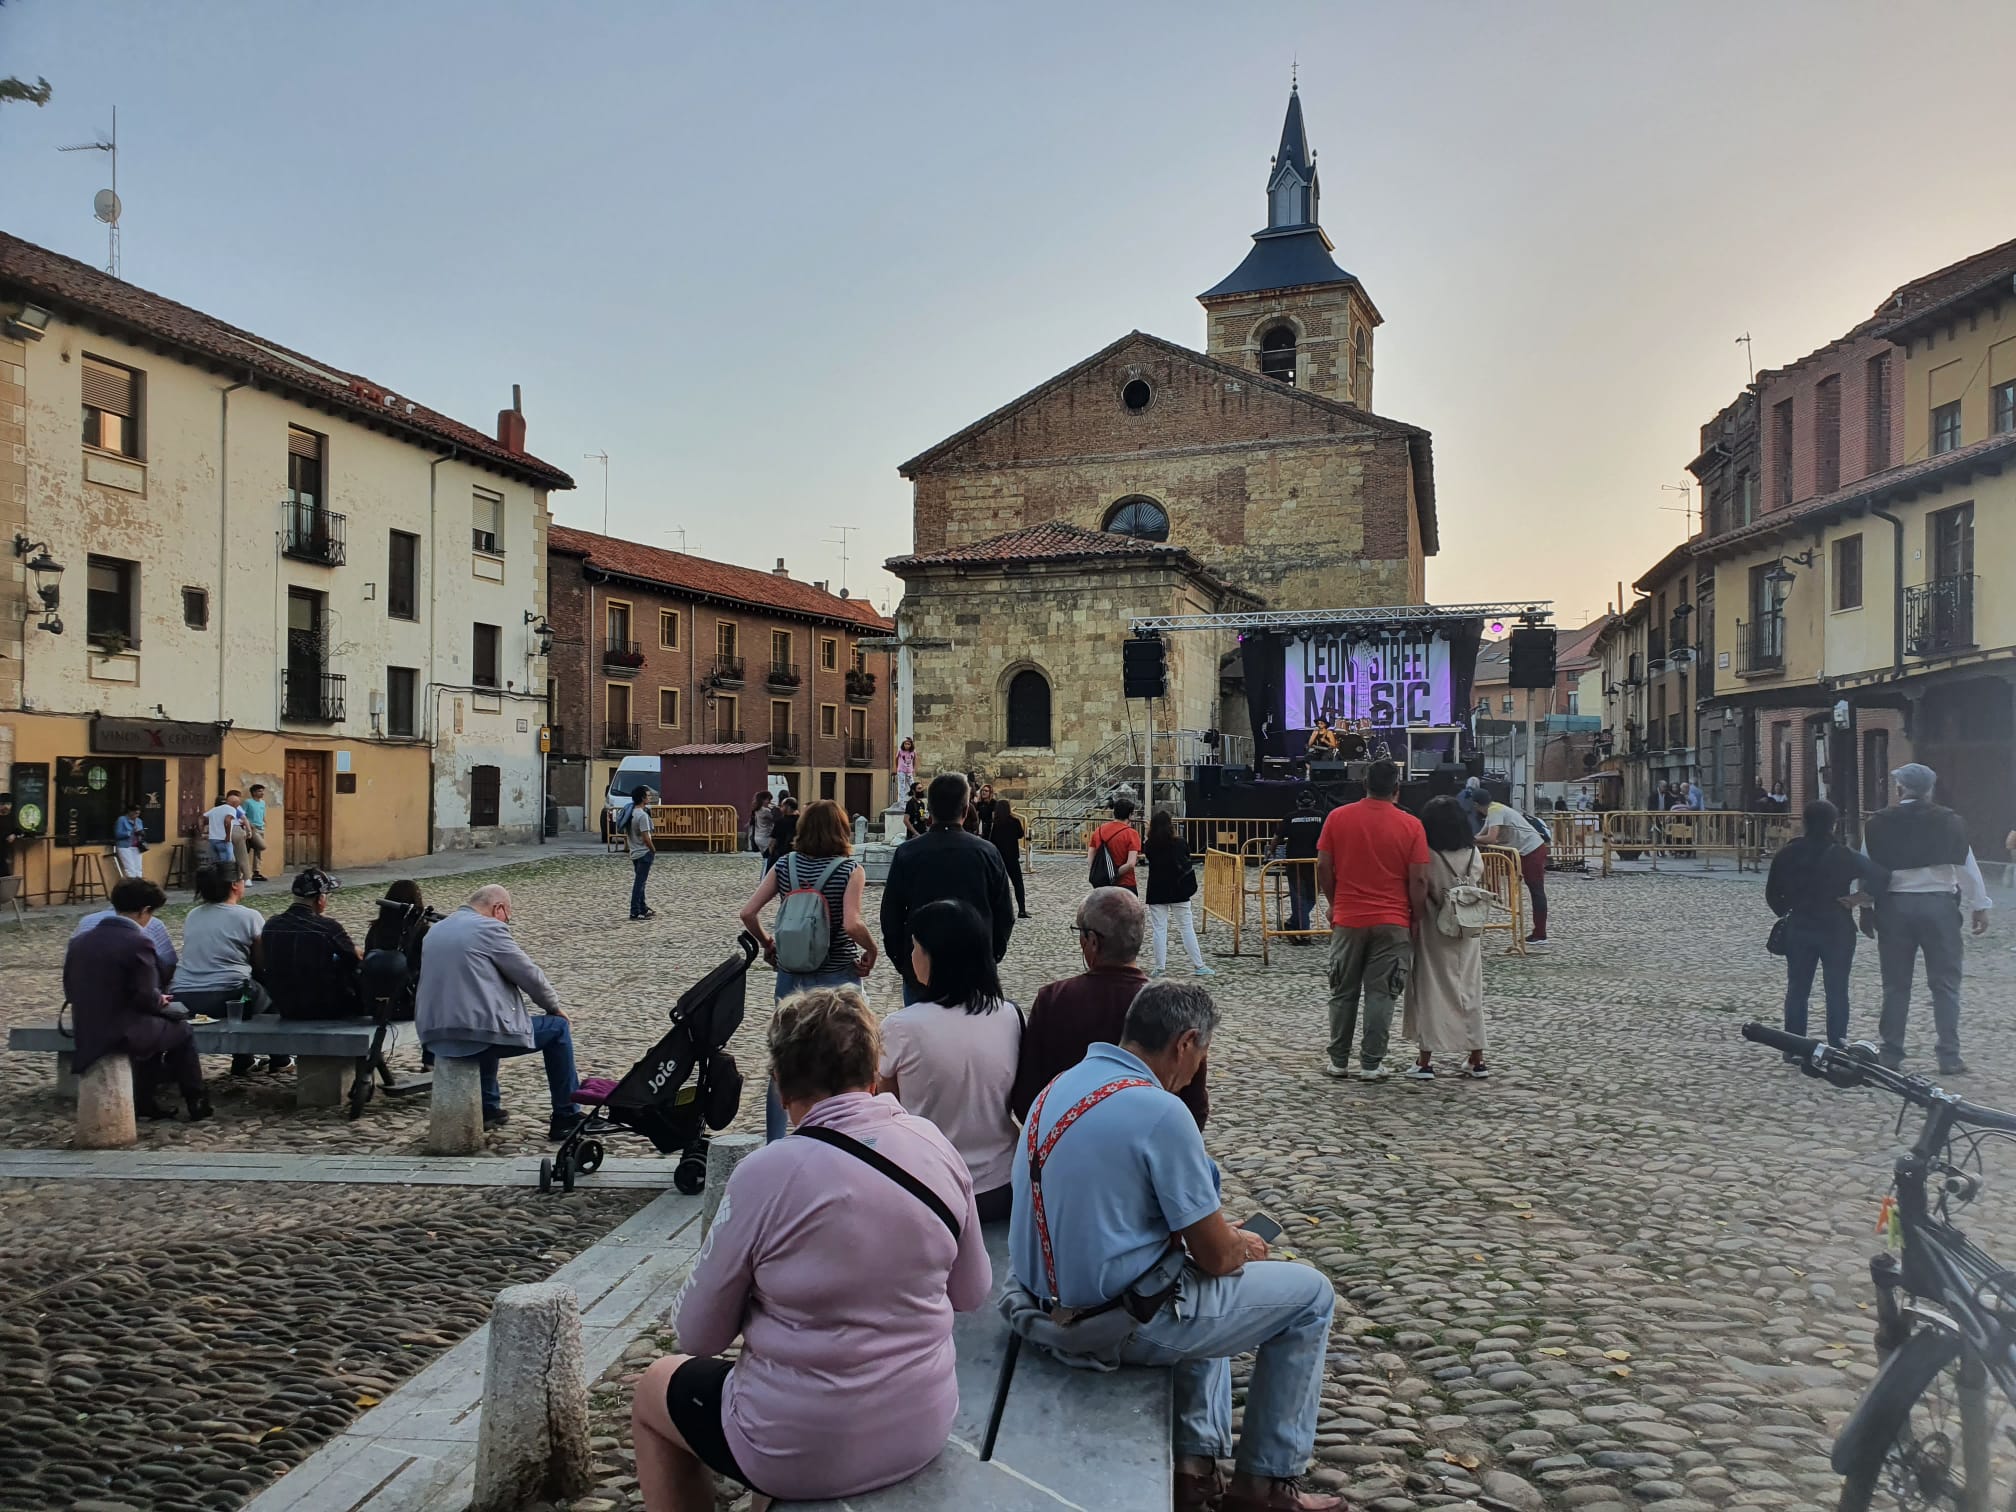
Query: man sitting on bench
x=1117, y=1219
x=220, y=956
x=113, y=983
x=311, y=963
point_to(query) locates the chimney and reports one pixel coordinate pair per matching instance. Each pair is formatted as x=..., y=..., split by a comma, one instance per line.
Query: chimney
x=511, y=423
x=780, y=570
x=821, y=586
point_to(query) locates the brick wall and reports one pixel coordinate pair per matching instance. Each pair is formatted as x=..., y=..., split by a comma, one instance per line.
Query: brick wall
x=1327, y=321
x=1830, y=394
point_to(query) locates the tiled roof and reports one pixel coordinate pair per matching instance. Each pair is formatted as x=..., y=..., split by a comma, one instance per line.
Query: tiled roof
x=740, y=748
x=703, y=578
x=82, y=292
x=1957, y=281
x=1054, y=541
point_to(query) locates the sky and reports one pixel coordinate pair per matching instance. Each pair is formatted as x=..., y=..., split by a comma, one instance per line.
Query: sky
x=761, y=253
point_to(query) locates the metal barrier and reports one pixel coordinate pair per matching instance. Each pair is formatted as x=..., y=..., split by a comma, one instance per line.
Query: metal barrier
x=1508, y=891
x=1571, y=838
x=1224, y=893
x=1283, y=874
x=716, y=824
x=1224, y=834
x=1684, y=834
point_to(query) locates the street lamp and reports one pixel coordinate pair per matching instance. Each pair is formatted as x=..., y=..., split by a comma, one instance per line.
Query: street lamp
x=48, y=574
x=1781, y=574
x=542, y=633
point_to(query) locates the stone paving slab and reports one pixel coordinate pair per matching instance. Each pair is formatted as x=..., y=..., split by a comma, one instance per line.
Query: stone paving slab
x=348, y=1170
x=417, y=1449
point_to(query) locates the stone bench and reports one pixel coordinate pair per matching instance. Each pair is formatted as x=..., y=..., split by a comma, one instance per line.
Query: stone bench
x=326, y=1051
x=1069, y=1437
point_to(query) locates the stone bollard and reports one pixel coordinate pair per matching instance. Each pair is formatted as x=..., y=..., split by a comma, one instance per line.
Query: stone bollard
x=724, y=1153
x=105, y=1105
x=455, y=1107
x=532, y=1443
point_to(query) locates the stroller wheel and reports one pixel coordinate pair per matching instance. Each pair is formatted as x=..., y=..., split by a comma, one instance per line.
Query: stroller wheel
x=588, y=1157
x=690, y=1177
x=566, y=1173
x=545, y=1173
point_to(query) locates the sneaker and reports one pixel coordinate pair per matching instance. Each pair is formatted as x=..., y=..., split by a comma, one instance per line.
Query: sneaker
x=1289, y=1495
x=1331, y=1068
x=1204, y=971
x=560, y=1125
x=1371, y=1073
x=1419, y=1073
x=258, y=876
x=495, y=1118
x=279, y=1063
x=199, y=1107
x=1953, y=1067
x=241, y=1065
x=1538, y=944
x=1890, y=1059
x=1479, y=1072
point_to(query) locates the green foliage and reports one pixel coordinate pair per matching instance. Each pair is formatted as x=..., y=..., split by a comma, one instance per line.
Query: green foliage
x=20, y=89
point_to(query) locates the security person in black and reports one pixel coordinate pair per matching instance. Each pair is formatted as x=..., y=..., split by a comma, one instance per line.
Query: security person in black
x=1297, y=836
x=311, y=963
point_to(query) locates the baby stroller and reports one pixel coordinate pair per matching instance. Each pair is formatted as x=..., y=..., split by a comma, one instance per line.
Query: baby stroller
x=685, y=1085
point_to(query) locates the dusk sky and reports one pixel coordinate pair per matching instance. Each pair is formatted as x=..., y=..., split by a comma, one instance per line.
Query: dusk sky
x=763, y=253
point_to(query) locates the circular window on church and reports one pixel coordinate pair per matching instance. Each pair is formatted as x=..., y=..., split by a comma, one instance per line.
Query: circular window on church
x=1139, y=517
x=1138, y=395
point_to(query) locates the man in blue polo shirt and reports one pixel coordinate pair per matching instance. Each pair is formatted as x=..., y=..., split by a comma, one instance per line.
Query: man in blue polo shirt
x=1123, y=1182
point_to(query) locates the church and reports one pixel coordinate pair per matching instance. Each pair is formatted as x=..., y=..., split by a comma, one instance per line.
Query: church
x=1153, y=479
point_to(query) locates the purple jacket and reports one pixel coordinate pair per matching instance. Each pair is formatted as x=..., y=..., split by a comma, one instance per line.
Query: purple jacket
x=842, y=1285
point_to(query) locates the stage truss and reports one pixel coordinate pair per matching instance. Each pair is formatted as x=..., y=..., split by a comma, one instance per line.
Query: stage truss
x=1317, y=619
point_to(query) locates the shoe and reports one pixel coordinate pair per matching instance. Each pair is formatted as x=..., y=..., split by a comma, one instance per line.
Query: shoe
x=1953, y=1067
x=199, y=1107
x=1419, y=1073
x=1023, y=915
x=1203, y=971
x=279, y=1063
x=1478, y=1072
x=1331, y=1068
x=1282, y=1496
x=1539, y=944
x=241, y=1065
x=1198, y=1493
x=1891, y=1059
x=258, y=876
x=560, y=1125
x=147, y=1108
x=1371, y=1073
x=496, y=1119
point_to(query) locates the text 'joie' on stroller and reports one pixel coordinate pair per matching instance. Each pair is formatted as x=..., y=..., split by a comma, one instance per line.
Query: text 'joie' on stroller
x=685, y=1085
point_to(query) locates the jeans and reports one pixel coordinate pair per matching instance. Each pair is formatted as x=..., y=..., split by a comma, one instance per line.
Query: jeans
x=1377, y=958
x=1281, y=1309
x=1301, y=896
x=222, y=853
x=1907, y=923
x=554, y=1040
x=775, y=1124
x=641, y=868
x=1826, y=944
x=1158, y=915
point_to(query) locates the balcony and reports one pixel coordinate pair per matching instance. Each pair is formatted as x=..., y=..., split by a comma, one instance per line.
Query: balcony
x=726, y=672
x=783, y=747
x=723, y=734
x=1760, y=647
x=860, y=687
x=1939, y=616
x=556, y=741
x=1676, y=732
x=622, y=658
x=311, y=697
x=782, y=675
x=860, y=751
x=1656, y=649
x=622, y=735
x=309, y=533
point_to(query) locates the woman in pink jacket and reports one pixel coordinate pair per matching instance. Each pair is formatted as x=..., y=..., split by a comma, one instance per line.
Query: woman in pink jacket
x=840, y=1276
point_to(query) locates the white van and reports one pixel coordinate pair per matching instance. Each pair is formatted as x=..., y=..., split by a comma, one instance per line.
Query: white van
x=649, y=771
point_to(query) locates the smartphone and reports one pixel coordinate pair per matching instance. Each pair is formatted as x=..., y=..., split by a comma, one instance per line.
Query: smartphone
x=1265, y=1227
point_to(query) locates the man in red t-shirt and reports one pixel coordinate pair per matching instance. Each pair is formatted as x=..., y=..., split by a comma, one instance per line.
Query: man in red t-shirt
x=1122, y=842
x=1372, y=864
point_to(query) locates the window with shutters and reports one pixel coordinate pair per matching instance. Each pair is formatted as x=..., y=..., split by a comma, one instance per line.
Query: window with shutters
x=1848, y=572
x=304, y=469
x=402, y=700
x=111, y=407
x=112, y=588
x=486, y=784
x=487, y=639
x=402, y=595
x=487, y=521
x=1028, y=709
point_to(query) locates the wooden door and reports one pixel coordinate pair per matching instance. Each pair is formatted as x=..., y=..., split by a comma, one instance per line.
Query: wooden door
x=305, y=808
x=190, y=794
x=860, y=793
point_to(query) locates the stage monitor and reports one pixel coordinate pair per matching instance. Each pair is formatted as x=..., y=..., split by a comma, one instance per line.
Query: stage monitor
x=1385, y=683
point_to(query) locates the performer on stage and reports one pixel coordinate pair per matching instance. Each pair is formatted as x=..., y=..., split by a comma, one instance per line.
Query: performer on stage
x=1322, y=741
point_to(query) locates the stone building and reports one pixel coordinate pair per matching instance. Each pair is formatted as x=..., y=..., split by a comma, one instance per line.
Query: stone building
x=1258, y=457
x=229, y=562
x=655, y=649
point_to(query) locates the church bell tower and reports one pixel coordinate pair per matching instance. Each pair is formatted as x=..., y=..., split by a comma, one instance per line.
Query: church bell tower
x=1288, y=311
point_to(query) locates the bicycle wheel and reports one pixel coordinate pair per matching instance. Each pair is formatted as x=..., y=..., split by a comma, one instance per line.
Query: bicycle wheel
x=1904, y=1446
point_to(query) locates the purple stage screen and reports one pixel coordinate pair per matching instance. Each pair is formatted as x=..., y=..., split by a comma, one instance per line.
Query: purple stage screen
x=1385, y=683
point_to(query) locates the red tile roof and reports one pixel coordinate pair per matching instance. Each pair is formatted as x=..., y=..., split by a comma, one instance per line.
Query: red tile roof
x=702, y=578
x=1956, y=281
x=79, y=291
x=739, y=748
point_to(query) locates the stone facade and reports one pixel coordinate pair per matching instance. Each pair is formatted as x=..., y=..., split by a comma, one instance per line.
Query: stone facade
x=13, y=521
x=1333, y=326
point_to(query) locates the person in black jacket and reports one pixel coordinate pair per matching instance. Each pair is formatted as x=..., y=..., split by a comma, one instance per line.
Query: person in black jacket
x=1811, y=880
x=944, y=862
x=1172, y=883
x=1005, y=833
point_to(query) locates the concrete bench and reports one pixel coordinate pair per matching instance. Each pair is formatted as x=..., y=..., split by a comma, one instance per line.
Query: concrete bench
x=326, y=1051
x=1069, y=1437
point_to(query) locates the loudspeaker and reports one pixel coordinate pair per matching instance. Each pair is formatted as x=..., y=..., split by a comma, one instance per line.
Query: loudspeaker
x=1473, y=765
x=1144, y=668
x=1444, y=780
x=1210, y=778
x=1532, y=660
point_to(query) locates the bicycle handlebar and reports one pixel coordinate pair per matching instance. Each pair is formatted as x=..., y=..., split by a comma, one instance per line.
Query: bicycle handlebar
x=1848, y=1068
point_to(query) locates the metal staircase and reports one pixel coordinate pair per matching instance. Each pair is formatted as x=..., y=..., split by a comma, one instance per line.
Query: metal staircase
x=1057, y=813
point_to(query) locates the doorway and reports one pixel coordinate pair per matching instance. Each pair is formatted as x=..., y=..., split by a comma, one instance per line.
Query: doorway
x=305, y=809
x=860, y=793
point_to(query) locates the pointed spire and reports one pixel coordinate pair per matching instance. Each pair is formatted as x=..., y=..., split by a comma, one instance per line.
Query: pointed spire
x=1291, y=186
x=1294, y=149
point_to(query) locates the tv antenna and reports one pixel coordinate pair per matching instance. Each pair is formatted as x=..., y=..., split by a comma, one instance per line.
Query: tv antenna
x=105, y=204
x=1686, y=505
x=1749, y=357
x=845, y=531
x=603, y=458
x=679, y=531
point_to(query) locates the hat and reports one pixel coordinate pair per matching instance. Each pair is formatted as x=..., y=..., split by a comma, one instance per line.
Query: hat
x=1306, y=798
x=314, y=883
x=1916, y=779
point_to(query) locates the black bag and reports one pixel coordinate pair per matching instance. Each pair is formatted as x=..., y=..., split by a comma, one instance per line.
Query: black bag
x=1189, y=887
x=1775, y=941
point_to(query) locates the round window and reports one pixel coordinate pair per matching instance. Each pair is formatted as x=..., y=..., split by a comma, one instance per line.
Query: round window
x=1141, y=518
x=1137, y=395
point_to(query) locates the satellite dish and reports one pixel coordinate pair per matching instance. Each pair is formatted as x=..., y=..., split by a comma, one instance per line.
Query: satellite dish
x=105, y=205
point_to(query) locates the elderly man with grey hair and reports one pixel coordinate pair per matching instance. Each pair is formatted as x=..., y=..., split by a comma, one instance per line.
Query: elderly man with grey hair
x=1122, y=1256
x=469, y=1005
x=1933, y=876
x=1071, y=1016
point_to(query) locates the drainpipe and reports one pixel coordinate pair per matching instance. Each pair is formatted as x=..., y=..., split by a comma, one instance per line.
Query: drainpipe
x=433, y=619
x=1897, y=590
x=223, y=529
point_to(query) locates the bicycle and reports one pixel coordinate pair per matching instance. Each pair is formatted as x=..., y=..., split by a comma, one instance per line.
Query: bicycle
x=1940, y=1352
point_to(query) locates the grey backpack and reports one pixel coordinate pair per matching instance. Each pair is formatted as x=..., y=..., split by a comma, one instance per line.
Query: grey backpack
x=804, y=931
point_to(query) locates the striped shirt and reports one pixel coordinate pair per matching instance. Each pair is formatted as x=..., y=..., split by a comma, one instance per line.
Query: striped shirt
x=795, y=871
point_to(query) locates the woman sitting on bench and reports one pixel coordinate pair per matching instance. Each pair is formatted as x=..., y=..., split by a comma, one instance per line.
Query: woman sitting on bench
x=840, y=1265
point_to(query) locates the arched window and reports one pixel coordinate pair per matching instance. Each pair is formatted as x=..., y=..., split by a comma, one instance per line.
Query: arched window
x=1139, y=517
x=1277, y=353
x=1028, y=709
x=1361, y=379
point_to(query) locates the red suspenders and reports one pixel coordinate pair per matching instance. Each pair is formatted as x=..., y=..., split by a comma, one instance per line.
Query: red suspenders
x=1038, y=1156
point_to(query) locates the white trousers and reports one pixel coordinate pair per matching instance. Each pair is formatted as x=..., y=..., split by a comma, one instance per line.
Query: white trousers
x=129, y=860
x=1158, y=916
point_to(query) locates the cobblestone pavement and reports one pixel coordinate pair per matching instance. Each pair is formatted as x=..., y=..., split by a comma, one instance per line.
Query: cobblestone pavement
x=173, y=1349
x=1630, y=1268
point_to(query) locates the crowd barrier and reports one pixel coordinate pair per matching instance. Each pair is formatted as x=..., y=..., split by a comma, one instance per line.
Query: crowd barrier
x=1688, y=834
x=1278, y=880
x=1572, y=837
x=1224, y=834
x=717, y=825
x=1224, y=893
x=1508, y=892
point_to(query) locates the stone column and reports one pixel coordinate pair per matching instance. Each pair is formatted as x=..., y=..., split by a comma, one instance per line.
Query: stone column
x=724, y=1153
x=532, y=1443
x=105, y=1105
x=455, y=1107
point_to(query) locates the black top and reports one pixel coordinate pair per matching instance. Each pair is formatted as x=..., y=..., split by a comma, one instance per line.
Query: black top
x=1168, y=866
x=783, y=835
x=1913, y=834
x=914, y=812
x=1299, y=832
x=1809, y=878
x=944, y=863
x=1007, y=837
x=310, y=965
